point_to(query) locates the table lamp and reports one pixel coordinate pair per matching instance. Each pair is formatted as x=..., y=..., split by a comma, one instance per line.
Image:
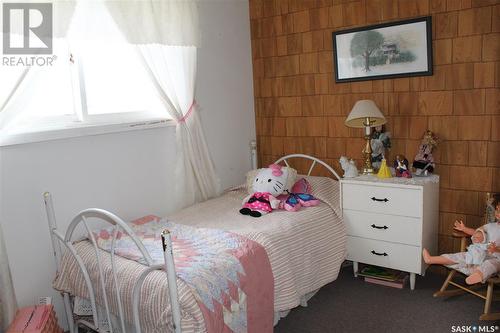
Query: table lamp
x=365, y=114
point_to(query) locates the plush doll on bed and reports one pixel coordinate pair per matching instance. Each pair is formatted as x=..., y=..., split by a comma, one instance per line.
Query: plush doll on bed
x=299, y=196
x=266, y=186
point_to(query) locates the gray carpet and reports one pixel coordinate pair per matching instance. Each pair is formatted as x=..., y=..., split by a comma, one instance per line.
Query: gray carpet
x=351, y=305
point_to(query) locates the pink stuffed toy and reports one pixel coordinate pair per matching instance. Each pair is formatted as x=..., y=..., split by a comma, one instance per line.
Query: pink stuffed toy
x=298, y=197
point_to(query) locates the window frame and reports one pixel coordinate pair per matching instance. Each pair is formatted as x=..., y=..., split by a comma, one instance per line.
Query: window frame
x=80, y=123
x=81, y=130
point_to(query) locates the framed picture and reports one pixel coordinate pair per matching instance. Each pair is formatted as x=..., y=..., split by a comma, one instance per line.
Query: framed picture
x=388, y=50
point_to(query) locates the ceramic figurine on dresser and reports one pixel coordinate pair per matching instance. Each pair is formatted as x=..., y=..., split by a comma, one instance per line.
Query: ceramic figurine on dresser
x=349, y=167
x=424, y=161
x=384, y=171
x=401, y=167
x=380, y=141
x=389, y=221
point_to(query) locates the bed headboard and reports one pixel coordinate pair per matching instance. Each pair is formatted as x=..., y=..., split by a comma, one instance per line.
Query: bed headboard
x=313, y=163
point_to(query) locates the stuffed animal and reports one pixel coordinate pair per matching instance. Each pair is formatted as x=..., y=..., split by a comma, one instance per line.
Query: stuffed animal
x=266, y=186
x=299, y=196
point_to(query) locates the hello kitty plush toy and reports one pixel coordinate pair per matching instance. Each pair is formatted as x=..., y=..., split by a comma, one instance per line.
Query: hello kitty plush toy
x=266, y=186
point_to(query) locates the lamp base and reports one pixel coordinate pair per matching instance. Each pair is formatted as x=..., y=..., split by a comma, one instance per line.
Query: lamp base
x=367, y=151
x=368, y=171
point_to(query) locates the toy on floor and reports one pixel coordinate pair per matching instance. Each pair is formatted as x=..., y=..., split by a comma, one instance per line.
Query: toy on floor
x=35, y=319
x=267, y=185
x=299, y=196
x=349, y=167
x=424, y=162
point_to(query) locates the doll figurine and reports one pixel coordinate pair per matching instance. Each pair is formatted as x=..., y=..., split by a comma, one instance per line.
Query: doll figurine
x=476, y=252
x=267, y=185
x=401, y=167
x=424, y=162
x=480, y=266
x=380, y=141
x=492, y=204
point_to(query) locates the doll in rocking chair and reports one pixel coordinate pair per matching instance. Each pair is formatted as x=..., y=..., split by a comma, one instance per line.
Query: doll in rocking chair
x=482, y=259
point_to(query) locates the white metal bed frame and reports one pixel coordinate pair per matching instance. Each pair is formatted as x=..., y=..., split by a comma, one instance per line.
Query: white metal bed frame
x=314, y=160
x=118, y=224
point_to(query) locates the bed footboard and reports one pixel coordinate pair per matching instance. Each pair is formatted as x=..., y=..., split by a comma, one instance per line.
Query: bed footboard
x=60, y=242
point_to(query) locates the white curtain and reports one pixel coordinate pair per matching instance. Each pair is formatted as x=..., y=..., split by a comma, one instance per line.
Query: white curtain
x=166, y=34
x=14, y=77
x=165, y=22
x=13, y=82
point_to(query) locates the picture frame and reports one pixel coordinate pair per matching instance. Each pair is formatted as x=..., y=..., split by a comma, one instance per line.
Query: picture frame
x=382, y=51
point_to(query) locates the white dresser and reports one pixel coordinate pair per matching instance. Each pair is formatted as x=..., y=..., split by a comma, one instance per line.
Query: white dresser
x=389, y=221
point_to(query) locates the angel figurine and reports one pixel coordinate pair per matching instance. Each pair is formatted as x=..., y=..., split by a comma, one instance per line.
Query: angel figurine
x=381, y=140
x=349, y=167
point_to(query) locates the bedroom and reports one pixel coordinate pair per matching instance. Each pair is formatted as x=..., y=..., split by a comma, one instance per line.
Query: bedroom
x=264, y=71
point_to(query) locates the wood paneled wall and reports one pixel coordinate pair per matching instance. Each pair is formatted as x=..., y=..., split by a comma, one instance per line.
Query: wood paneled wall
x=300, y=109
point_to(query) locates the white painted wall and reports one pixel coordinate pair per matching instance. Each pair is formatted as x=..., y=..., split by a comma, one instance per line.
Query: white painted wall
x=225, y=86
x=129, y=173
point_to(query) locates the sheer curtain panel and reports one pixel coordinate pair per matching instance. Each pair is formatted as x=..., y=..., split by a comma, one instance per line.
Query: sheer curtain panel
x=14, y=77
x=166, y=35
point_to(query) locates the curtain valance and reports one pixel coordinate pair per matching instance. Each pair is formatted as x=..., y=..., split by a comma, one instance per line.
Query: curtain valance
x=167, y=22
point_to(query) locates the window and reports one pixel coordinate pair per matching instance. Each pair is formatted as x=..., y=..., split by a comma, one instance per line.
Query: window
x=96, y=79
x=45, y=97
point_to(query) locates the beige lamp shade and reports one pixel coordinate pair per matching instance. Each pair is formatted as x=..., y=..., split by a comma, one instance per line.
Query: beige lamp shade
x=365, y=109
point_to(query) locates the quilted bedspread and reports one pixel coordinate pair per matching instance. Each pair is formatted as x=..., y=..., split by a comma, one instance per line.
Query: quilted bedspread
x=229, y=275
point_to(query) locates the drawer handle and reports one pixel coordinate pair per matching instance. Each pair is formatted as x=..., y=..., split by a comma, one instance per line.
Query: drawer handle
x=380, y=200
x=379, y=254
x=379, y=227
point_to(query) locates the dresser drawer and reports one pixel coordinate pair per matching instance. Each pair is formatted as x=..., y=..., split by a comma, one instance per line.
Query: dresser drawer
x=382, y=199
x=392, y=228
x=397, y=256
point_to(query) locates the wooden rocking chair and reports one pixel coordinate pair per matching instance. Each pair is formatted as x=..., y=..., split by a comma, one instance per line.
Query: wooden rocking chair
x=488, y=296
